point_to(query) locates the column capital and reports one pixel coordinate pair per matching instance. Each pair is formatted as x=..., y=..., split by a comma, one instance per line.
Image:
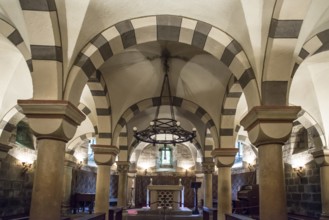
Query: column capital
x=269, y=124
x=321, y=157
x=123, y=166
x=208, y=167
x=52, y=119
x=104, y=154
x=224, y=156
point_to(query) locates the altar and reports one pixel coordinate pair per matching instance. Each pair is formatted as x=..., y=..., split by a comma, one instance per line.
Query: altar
x=166, y=196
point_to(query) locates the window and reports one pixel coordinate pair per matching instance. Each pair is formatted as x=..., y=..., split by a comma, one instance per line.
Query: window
x=239, y=155
x=165, y=156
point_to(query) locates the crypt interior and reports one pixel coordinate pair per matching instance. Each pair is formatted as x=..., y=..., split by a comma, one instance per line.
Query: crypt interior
x=80, y=78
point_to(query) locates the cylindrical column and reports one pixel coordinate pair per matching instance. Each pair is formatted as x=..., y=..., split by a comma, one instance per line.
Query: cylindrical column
x=104, y=156
x=67, y=182
x=122, y=168
x=208, y=169
x=324, y=175
x=322, y=159
x=269, y=127
x=224, y=192
x=224, y=161
x=54, y=123
x=48, y=180
x=272, y=194
x=102, y=189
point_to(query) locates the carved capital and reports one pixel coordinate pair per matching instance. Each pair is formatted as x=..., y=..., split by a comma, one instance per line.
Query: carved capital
x=52, y=119
x=208, y=167
x=321, y=157
x=123, y=166
x=224, y=156
x=270, y=124
x=104, y=154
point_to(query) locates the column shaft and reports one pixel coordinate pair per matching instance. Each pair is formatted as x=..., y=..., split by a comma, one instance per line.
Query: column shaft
x=67, y=191
x=47, y=187
x=102, y=189
x=122, y=189
x=272, y=195
x=224, y=192
x=208, y=190
x=324, y=174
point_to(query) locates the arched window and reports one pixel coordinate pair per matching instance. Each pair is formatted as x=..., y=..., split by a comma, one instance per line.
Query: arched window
x=165, y=156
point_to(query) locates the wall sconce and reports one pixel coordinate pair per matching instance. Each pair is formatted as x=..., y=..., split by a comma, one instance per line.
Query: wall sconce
x=299, y=170
x=79, y=164
x=26, y=166
x=145, y=172
x=186, y=172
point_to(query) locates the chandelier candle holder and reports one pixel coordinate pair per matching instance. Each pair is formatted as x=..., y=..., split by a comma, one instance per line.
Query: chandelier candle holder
x=165, y=130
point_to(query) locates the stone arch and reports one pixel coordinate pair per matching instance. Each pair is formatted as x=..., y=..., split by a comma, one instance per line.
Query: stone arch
x=313, y=129
x=9, y=123
x=125, y=34
x=13, y=35
x=98, y=89
x=156, y=101
x=227, y=126
x=76, y=142
x=316, y=44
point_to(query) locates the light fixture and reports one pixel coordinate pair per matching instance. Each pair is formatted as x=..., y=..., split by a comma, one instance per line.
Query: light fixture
x=165, y=130
x=26, y=166
x=298, y=170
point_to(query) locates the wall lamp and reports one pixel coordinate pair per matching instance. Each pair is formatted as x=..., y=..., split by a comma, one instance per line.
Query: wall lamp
x=26, y=166
x=79, y=164
x=145, y=172
x=299, y=170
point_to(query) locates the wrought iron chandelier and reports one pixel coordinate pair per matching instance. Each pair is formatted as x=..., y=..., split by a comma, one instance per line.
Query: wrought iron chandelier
x=165, y=130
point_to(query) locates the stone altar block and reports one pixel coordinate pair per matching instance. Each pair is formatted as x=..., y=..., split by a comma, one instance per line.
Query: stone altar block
x=166, y=195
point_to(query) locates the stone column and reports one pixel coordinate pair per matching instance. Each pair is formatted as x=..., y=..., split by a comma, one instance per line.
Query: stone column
x=104, y=156
x=54, y=123
x=69, y=163
x=122, y=168
x=269, y=128
x=224, y=160
x=322, y=159
x=208, y=169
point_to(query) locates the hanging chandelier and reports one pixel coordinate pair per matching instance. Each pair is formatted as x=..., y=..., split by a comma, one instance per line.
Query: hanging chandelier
x=165, y=130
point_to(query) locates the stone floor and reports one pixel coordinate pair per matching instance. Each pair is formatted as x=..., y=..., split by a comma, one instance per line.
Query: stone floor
x=138, y=214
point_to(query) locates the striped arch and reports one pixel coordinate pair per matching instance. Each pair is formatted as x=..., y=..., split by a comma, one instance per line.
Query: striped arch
x=208, y=147
x=231, y=99
x=125, y=34
x=13, y=35
x=49, y=51
x=312, y=127
x=156, y=101
x=278, y=66
x=78, y=141
x=9, y=123
x=83, y=108
x=122, y=142
x=98, y=89
x=317, y=44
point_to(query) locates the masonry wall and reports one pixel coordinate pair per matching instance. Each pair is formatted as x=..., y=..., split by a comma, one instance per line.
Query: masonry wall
x=304, y=191
x=15, y=187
